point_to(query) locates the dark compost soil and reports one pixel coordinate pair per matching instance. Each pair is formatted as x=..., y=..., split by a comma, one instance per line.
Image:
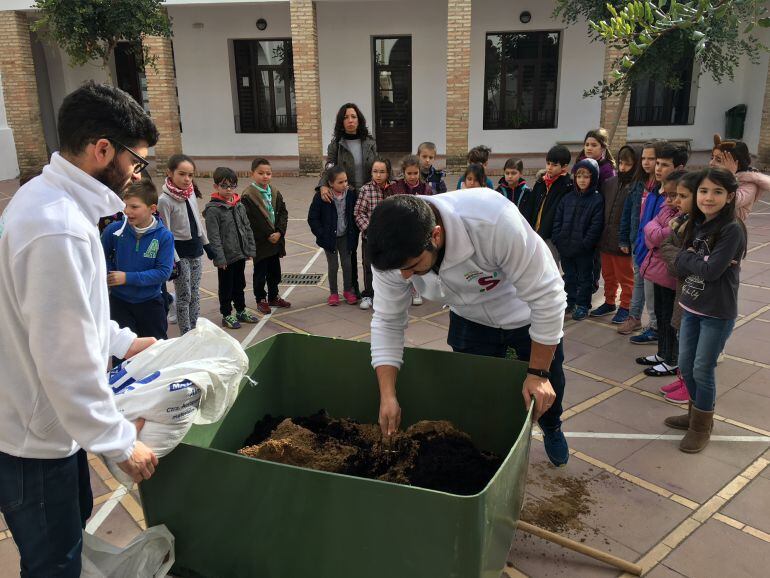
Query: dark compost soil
x=429, y=454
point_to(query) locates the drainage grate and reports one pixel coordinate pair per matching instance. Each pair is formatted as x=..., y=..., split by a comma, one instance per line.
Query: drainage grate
x=301, y=278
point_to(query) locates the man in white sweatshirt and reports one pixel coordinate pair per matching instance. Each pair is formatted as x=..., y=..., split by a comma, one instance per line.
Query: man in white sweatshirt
x=57, y=335
x=472, y=250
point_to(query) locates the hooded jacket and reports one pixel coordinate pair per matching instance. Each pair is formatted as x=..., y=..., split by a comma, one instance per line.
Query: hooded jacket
x=607, y=169
x=615, y=191
x=579, y=219
x=517, y=194
x=543, y=201
x=653, y=267
x=261, y=227
x=147, y=261
x=229, y=232
x=55, y=314
x=751, y=185
x=322, y=218
x=496, y=271
x=650, y=208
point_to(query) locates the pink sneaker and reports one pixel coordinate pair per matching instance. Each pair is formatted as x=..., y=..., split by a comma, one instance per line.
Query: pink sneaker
x=350, y=297
x=680, y=395
x=333, y=300
x=673, y=386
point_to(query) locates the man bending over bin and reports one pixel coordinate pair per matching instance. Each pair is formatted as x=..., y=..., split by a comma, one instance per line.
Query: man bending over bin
x=473, y=250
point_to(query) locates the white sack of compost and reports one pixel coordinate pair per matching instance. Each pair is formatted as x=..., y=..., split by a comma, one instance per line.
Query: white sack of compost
x=175, y=383
x=148, y=555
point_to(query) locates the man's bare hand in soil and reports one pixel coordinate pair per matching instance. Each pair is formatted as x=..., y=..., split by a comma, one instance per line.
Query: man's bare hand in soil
x=141, y=465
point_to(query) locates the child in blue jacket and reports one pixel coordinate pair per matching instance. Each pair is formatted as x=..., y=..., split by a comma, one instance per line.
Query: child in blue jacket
x=577, y=229
x=140, y=255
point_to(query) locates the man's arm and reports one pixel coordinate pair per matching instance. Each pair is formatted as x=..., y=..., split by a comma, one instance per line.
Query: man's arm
x=64, y=342
x=392, y=297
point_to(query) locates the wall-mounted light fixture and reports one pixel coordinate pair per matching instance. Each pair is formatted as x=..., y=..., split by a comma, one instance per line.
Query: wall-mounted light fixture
x=261, y=24
x=525, y=17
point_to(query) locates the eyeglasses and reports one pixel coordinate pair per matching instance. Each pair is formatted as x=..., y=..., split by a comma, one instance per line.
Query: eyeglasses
x=228, y=186
x=140, y=163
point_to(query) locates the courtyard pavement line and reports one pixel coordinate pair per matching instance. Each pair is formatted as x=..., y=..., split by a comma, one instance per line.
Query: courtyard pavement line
x=665, y=437
x=262, y=322
x=105, y=510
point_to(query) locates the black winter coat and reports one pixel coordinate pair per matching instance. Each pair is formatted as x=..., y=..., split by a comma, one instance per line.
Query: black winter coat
x=578, y=224
x=549, y=200
x=322, y=218
x=261, y=227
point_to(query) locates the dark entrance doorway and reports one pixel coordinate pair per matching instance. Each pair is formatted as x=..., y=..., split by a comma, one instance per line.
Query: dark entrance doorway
x=392, y=71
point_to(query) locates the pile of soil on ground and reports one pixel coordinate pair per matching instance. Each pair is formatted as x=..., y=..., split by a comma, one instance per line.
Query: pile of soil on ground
x=567, y=499
x=429, y=454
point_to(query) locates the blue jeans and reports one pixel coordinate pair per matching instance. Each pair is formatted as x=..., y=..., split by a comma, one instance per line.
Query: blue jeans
x=468, y=337
x=46, y=504
x=579, y=278
x=701, y=340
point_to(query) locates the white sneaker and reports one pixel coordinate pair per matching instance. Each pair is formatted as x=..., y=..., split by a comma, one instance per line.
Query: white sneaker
x=172, y=310
x=416, y=299
x=366, y=303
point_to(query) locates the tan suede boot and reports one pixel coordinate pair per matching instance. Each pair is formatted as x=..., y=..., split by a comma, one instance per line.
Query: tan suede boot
x=697, y=437
x=680, y=421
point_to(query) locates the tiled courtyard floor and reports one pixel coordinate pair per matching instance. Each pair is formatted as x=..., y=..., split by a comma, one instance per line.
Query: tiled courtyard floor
x=700, y=516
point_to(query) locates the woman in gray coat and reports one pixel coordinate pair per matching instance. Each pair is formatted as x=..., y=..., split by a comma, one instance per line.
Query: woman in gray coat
x=354, y=149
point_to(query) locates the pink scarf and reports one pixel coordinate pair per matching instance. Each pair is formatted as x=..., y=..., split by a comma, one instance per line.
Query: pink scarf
x=176, y=192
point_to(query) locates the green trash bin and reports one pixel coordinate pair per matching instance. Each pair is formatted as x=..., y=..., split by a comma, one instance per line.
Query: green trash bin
x=735, y=120
x=234, y=516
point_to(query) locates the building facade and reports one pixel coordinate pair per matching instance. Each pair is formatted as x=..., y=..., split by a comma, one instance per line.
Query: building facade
x=241, y=79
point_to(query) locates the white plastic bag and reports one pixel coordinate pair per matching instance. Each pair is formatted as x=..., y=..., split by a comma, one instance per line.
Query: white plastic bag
x=177, y=382
x=149, y=555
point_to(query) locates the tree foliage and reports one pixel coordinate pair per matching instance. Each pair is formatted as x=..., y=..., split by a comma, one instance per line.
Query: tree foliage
x=88, y=30
x=654, y=36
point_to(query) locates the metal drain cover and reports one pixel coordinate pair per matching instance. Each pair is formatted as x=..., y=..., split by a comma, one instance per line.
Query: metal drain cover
x=301, y=278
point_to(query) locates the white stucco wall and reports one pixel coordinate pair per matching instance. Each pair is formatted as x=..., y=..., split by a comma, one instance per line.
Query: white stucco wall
x=204, y=82
x=580, y=65
x=345, y=30
x=9, y=168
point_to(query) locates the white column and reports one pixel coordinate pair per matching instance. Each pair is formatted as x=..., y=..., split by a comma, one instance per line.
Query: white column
x=9, y=166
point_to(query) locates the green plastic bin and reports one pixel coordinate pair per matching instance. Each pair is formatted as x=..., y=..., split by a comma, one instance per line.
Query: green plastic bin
x=242, y=517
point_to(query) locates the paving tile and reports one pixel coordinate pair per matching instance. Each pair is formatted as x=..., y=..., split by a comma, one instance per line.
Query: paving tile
x=716, y=550
x=590, y=334
x=118, y=528
x=420, y=333
x=745, y=407
x=98, y=487
x=341, y=328
x=729, y=374
x=606, y=364
x=696, y=476
x=747, y=306
x=662, y=571
x=638, y=412
x=579, y=388
x=9, y=558
x=736, y=454
x=439, y=344
x=752, y=506
x=758, y=382
x=574, y=349
x=610, y=451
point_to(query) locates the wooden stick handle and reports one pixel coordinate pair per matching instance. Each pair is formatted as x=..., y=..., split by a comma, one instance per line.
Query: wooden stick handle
x=624, y=565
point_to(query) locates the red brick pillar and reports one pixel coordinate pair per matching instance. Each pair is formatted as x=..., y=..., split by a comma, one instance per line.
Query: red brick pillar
x=163, y=100
x=458, y=82
x=307, y=85
x=20, y=90
x=614, y=104
x=764, y=129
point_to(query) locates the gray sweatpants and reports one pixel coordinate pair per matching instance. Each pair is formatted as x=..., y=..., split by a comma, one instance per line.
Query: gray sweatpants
x=334, y=259
x=188, y=298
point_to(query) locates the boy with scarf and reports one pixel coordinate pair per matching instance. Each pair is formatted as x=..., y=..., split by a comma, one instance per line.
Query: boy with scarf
x=232, y=243
x=269, y=219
